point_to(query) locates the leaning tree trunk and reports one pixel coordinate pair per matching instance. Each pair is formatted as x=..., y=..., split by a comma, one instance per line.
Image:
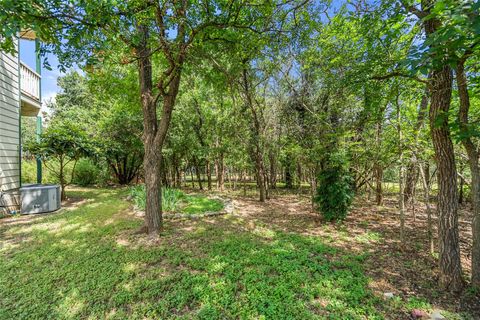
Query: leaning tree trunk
x=473, y=162
x=447, y=207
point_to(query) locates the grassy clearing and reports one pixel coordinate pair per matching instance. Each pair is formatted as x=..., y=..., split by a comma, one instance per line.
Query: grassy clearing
x=72, y=265
x=88, y=263
x=174, y=200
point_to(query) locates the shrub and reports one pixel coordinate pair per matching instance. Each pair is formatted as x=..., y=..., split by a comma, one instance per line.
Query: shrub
x=86, y=173
x=335, y=192
x=170, y=197
x=29, y=172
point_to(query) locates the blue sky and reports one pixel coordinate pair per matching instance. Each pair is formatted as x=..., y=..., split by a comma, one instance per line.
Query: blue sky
x=49, y=77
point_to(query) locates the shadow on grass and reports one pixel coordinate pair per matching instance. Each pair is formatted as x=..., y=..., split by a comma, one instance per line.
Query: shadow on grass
x=73, y=267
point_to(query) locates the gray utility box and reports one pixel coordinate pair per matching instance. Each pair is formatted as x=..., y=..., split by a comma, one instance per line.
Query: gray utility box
x=40, y=198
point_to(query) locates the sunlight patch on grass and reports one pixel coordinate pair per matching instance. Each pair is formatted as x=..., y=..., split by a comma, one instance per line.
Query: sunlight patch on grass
x=368, y=237
x=71, y=305
x=207, y=269
x=200, y=204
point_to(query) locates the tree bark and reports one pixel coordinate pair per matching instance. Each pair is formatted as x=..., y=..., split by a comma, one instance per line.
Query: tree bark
x=209, y=175
x=426, y=190
x=412, y=169
x=220, y=172
x=449, y=248
x=401, y=196
x=441, y=82
x=152, y=156
x=378, y=168
x=473, y=162
x=256, y=152
x=198, y=173
x=155, y=131
x=273, y=170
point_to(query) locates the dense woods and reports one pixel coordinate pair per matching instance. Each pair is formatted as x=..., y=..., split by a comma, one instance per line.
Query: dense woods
x=331, y=100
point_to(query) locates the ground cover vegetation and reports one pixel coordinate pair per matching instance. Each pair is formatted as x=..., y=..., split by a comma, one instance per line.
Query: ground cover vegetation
x=327, y=101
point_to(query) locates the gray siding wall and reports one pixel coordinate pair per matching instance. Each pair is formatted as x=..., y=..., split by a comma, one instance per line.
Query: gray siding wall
x=9, y=123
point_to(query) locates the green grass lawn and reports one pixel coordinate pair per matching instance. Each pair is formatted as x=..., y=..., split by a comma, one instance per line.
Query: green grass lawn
x=200, y=204
x=88, y=263
x=70, y=265
x=175, y=200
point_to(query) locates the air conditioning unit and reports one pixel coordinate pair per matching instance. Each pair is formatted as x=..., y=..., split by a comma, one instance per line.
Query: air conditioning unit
x=40, y=198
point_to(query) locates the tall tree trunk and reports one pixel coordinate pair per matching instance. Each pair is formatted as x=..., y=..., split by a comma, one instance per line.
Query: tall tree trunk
x=259, y=173
x=426, y=190
x=449, y=248
x=63, y=182
x=440, y=99
x=299, y=174
x=192, y=179
x=154, y=130
x=473, y=162
x=209, y=175
x=220, y=172
x=178, y=176
x=378, y=167
x=273, y=170
x=462, y=182
x=401, y=196
x=198, y=173
x=288, y=174
x=152, y=156
x=256, y=151
x=412, y=169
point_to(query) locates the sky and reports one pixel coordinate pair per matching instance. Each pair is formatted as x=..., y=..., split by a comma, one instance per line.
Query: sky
x=49, y=77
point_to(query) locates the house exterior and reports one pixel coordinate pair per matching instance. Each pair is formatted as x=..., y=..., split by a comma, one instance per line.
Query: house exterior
x=20, y=88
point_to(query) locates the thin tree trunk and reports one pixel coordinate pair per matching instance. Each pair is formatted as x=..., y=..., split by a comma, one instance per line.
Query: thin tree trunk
x=473, y=162
x=245, y=184
x=426, y=190
x=192, y=178
x=220, y=172
x=273, y=170
x=401, y=197
x=198, y=173
x=460, y=188
x=378, y=168
x=313, y=187
x=209, y=175
x=412, y=171
x=256, y=153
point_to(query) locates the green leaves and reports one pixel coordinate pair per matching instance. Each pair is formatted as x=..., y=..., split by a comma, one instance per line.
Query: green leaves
x=65, y=140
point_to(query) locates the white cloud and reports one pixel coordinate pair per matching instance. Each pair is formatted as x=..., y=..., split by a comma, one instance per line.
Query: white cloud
x=47, y=98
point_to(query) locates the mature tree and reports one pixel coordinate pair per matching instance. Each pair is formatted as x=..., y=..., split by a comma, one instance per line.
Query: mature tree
x=159, y=36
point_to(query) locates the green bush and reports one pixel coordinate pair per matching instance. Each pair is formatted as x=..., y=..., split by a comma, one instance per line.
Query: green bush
x=29, y=172
x=86, y=173
x=170, y=197
x=334, y=193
